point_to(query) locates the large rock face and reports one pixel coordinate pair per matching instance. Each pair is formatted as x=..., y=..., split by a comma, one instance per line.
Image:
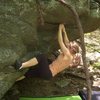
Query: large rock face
x=21, y=32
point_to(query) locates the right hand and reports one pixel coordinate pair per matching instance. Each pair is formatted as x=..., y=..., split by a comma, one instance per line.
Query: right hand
x=61, y=27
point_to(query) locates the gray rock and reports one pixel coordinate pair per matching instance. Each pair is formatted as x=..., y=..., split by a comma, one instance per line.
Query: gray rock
x=63, y=82
x=21, y=31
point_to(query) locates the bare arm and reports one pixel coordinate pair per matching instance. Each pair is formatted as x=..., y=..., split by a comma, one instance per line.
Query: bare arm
x=66, y=40
x=60, y=40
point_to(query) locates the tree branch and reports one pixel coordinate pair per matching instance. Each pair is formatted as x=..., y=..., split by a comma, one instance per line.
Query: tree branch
x=80, y=30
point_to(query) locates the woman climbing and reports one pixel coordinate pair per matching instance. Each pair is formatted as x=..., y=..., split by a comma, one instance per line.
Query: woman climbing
x=67, y=57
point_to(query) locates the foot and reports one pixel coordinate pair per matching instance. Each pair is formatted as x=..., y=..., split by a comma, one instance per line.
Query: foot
x=18, y=65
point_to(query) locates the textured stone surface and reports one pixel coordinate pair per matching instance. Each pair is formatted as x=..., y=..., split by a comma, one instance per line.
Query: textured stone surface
x=21, y=32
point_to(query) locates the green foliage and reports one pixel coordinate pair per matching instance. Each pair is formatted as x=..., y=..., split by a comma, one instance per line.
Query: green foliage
x=96, y=65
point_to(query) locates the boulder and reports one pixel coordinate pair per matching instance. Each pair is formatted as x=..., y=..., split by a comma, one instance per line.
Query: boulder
x=21, y=31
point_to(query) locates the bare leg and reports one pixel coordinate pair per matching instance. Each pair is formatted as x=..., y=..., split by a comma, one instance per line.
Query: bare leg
x=29, y=63
x=20, y=78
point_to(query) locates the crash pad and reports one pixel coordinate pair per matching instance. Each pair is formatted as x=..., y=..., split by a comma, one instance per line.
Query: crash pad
x=53, y=98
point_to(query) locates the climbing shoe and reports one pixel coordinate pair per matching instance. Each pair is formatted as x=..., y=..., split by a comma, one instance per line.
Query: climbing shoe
x=17, y=65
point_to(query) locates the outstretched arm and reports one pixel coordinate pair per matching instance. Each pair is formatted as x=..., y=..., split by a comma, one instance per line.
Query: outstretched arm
x=66, y=40
x=60, y=40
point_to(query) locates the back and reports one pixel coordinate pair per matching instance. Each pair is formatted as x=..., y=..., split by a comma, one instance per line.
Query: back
x=59, y=64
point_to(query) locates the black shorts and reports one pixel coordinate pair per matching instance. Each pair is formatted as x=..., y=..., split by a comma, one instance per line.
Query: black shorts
x=41, y=70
